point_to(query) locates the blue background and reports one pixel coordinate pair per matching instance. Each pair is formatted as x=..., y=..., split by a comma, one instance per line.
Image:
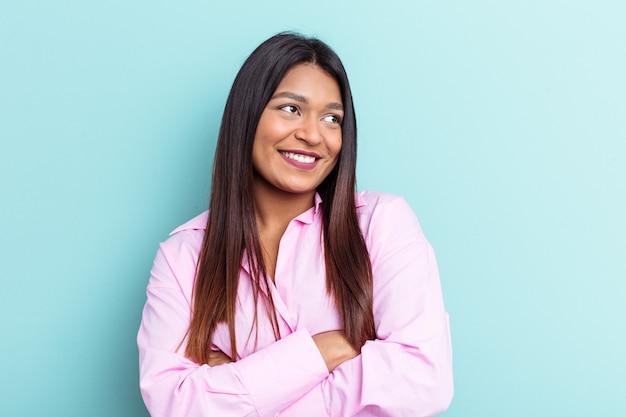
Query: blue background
x=502, y=123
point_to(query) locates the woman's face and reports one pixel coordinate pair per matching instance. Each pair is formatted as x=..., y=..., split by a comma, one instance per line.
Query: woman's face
x=298, y=137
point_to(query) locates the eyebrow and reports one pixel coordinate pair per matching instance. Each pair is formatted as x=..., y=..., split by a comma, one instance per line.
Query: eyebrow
x=301, y=99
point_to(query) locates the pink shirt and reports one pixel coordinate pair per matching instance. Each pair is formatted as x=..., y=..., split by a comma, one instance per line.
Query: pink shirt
x=406, y=371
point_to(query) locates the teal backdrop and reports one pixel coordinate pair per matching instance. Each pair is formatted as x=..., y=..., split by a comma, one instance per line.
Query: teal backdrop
x=502, y=123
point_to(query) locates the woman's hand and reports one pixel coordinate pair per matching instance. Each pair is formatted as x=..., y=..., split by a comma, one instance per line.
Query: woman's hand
x=334, y=348
x=217, y=357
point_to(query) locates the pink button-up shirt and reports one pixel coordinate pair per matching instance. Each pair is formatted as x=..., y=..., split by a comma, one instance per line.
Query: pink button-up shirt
x=406, y=371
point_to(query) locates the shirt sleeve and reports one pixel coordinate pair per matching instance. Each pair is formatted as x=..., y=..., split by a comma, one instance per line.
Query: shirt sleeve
x=407, y=370
x=260, y=384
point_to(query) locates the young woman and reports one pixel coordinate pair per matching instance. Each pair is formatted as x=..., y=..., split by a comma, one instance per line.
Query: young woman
x=293, y=295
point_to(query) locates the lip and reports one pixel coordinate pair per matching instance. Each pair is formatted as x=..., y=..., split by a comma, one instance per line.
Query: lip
x=297, y=164
x=313, y=154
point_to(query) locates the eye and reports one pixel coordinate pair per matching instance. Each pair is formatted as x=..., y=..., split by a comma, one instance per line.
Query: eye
x=289, y=108
x=332, y=118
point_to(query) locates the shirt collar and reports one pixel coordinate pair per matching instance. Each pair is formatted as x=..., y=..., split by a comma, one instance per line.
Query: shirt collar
x=308, y=217
x=311, y=214
x=314, y=212
x=197, y=223
x=359, y=201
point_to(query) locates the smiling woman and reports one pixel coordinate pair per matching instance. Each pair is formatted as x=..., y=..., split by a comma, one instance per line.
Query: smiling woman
x=298, y=137
x=293, y=294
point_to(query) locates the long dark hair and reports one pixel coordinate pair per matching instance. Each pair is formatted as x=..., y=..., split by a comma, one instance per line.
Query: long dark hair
x=231, y=228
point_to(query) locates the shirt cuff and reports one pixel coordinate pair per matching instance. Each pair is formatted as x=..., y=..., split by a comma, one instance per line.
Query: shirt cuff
x=279, y=374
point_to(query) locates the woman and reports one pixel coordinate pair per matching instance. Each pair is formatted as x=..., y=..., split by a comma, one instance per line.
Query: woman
x=293, y=295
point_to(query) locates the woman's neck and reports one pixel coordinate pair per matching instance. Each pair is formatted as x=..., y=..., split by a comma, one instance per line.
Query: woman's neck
x=275, y=208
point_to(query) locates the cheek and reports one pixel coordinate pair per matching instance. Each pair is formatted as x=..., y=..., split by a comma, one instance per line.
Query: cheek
x=272, y=128
x=258, y=151
x=334, y=146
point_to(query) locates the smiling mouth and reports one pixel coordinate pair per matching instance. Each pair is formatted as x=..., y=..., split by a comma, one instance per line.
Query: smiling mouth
x=305, y=159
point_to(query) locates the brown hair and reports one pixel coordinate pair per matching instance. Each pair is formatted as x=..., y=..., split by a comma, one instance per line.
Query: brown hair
x=231, y=227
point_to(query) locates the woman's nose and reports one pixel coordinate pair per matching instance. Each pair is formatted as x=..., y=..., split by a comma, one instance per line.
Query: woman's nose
x=309, y=131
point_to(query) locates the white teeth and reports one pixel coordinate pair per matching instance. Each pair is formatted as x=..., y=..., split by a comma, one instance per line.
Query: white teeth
x=306, y=159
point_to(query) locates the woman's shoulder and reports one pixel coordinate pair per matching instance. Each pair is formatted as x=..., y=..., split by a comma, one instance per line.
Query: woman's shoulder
x=188, y=236
x=197, y=223
x=177, y=257
x=383, y=213
x=370, y=201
